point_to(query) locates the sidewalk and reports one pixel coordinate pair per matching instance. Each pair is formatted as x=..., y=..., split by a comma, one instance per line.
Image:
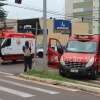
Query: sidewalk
x=85, y=86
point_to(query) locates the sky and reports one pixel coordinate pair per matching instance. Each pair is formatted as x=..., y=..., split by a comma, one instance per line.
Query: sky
x=57, y=6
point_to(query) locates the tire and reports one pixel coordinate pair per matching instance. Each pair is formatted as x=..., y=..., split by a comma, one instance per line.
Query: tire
x=94, y=74
x=61, y=72
x=40, y=54
x=13, y=61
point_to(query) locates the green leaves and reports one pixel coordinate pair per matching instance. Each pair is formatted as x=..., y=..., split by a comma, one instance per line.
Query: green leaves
x=2, y=11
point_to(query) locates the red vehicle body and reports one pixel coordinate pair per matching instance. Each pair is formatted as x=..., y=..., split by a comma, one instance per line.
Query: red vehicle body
x=55, y=49
x=81, y=56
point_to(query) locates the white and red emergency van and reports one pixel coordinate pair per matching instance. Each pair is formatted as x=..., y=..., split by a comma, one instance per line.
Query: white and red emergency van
x=12, y=44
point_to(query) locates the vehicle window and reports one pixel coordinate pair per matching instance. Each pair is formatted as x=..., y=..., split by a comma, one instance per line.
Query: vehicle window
x=7, y=43
x=53, y=45
x=84, y=47
x=56, y=46
x=59, y=47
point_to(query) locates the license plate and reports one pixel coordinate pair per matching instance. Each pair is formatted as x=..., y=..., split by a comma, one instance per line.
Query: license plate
x=74, y=70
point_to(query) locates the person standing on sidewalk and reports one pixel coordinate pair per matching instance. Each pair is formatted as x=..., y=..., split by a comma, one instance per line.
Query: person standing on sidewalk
x=27, y=56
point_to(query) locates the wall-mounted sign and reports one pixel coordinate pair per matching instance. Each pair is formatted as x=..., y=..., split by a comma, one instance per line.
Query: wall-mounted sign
x=62, y=25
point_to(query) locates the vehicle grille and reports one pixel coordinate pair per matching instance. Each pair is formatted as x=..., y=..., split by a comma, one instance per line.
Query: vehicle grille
x=75, y=64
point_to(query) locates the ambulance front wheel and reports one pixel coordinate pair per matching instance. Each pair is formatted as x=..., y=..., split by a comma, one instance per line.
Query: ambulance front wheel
x=40, y=54
x=61, y=72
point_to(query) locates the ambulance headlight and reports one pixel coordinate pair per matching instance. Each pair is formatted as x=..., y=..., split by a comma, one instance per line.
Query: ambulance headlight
x=90, y=62
x=62, y=62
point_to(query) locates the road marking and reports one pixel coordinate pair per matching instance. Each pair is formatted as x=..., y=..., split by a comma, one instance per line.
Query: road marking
x=59, y=87
x=30, y=87
x=16, y=92
x=6, y=73
x=45, y=84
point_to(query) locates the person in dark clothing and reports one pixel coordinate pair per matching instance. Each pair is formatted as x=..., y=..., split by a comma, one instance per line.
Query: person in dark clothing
x=27, y=56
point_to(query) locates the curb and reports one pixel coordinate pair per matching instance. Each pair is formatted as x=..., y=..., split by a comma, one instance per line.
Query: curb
x=84, y=86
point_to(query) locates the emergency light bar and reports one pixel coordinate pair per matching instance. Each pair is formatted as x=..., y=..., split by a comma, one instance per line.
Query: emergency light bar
x=83, y=37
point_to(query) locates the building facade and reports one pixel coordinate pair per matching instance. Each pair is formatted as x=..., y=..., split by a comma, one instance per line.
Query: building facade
x=9, y=24
x=88, y=11
x=68, y=9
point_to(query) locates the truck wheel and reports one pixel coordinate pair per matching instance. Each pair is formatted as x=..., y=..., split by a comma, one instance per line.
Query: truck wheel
x=13, y=61
x=40, y=54
x=61, y=72
x=94, y=74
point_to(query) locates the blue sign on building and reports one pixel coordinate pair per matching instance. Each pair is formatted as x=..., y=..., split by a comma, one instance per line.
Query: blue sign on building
x=62, y=25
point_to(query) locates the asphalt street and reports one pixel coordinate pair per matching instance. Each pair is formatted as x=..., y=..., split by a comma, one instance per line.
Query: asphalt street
x=18, y=67
x=13, y=88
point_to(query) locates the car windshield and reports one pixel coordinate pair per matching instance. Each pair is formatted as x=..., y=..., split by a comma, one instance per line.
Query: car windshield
x=78, y=46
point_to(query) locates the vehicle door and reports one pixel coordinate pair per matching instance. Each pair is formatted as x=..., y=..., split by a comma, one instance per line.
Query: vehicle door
x=55, y=50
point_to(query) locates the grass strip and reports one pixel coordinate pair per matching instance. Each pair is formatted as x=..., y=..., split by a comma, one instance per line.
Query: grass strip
x=55, y=76
x=48, y=75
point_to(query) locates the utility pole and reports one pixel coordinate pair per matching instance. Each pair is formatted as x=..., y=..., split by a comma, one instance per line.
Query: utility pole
x=35, y=55
x=45, y=36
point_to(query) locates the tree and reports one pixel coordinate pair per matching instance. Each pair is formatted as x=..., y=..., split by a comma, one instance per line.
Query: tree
x=2, y=11
x=3, y=15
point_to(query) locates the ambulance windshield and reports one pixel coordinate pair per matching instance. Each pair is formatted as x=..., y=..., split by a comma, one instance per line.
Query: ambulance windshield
x=84, y=47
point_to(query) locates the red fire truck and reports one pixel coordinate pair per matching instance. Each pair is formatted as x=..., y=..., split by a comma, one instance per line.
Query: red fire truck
x=81, y=56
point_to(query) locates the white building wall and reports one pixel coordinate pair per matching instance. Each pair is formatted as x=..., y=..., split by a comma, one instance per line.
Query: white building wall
x=68, y=9
x=96, y=9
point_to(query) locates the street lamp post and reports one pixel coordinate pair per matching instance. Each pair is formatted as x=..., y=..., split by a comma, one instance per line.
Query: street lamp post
x=45, y=40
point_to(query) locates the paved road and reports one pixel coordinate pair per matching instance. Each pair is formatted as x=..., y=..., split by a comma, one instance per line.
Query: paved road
x=13, y=88
x=18, y=67
x=14, y=68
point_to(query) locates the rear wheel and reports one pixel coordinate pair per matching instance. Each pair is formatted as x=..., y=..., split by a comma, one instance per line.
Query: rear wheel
x=13, y=61
x=40, y=54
